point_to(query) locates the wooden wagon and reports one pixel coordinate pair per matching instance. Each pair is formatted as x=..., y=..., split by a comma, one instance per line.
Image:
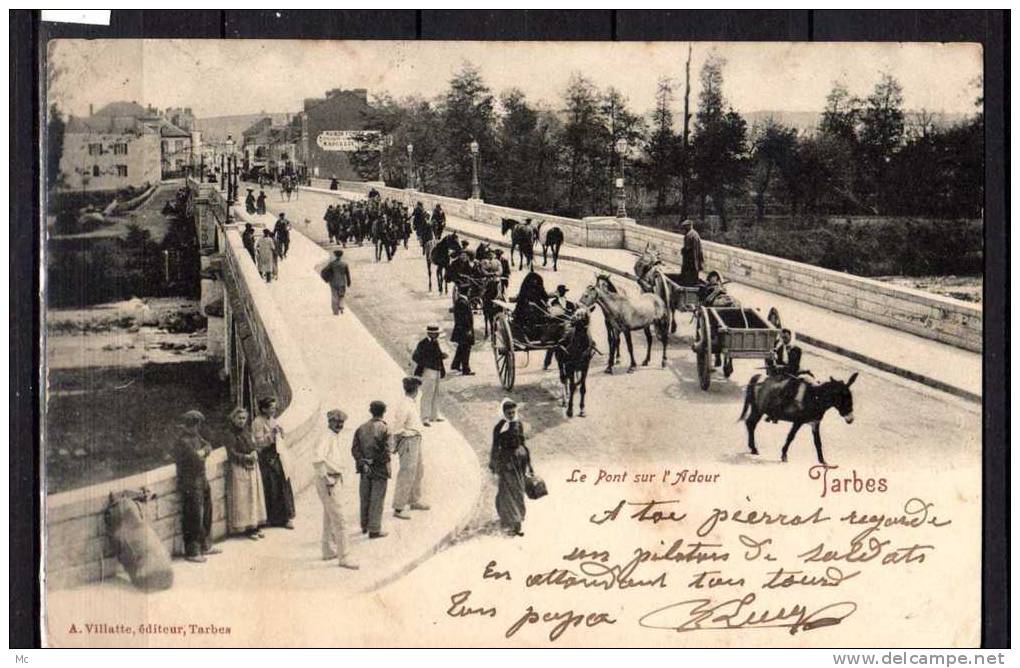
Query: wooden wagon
x=732, y=332
x=507, y=339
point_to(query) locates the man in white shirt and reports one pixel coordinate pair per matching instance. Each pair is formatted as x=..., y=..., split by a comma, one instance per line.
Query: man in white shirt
x=331, y=453
x=405, y=434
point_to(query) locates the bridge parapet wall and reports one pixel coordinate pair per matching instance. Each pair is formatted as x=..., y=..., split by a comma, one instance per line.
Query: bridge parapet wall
x=925, y=314
x=77, y=550
x=922, y=313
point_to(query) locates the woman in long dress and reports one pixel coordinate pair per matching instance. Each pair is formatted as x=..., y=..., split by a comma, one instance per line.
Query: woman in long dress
x=509, y=460
x=275, y=484
x=247, y=507
x=265, y=255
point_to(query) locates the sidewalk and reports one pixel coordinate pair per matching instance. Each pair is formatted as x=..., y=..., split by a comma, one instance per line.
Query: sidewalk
x=349, y=369
x=922, y=360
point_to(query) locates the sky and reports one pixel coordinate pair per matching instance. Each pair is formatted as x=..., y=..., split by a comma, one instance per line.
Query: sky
x=225, y=77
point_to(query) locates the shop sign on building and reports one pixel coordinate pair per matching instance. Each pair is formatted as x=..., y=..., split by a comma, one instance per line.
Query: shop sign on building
x=349, y=140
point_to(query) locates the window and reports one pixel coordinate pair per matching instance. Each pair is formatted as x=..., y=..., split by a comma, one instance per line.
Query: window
x=95, y=170
x=120, y=148
x=178, y=146
x=95, y=149
x=121, y=170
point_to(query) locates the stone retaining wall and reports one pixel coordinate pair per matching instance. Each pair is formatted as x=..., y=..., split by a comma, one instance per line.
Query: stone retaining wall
x=922, y=313
x=76, y=549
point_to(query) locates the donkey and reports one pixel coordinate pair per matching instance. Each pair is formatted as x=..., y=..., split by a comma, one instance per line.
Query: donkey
x=522, y=238
x=573, y=356
x=551, y=239
x=798, y=401
x=628, y=314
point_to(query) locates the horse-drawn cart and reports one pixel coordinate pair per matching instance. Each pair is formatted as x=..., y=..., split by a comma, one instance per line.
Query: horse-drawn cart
x=507, y=339
x=731, y=332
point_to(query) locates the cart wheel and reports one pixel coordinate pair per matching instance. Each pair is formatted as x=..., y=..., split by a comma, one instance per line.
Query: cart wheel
x=704, y=349
x=727, y=368
x=774, y=318
x=503, y=351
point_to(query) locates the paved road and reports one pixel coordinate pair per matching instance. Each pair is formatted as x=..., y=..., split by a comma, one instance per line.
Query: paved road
x=653, y=414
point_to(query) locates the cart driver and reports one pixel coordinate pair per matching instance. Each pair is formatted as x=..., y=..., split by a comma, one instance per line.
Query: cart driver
x=713, y=293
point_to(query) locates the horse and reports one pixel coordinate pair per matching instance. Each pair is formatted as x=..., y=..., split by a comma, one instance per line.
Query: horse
x=807, y=404
x=522, y=238
x=440, y=257
x=627, y=314
x=552, y=239
x=573, y=356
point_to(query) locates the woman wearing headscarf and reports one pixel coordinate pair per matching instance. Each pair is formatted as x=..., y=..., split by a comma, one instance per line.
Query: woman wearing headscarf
x=265, y=255
x=260, y=203
x=247, y=507
x=510, y=461
x=265, y=432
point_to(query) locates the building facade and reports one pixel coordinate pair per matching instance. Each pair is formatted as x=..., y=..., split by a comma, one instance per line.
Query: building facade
x=340, y=111
x=119, y=156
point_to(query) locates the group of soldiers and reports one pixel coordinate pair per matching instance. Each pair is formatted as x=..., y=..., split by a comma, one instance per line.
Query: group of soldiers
x=373, y=219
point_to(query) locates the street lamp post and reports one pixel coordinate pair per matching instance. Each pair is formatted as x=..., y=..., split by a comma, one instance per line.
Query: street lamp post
x=476, y=190
x=621, y=192
x=410, y=166
x=231, y=171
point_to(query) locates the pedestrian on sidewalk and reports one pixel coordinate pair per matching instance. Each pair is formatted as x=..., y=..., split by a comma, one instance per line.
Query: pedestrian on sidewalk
x=268, y=437
x=190, y=453
x=249, y=202
x=371, y=452
x=692, y=260
x=429, y=367
x=248, y=239
x=406, y=440
x=265, y=256
x=509, y=460
x=328, y=460
x=338, y=274
x=246, y=510
x=260, y=203
x=282, y=232
x=463, y=334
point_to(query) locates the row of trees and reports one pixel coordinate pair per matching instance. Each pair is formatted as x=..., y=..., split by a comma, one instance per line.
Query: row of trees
x=863, y=158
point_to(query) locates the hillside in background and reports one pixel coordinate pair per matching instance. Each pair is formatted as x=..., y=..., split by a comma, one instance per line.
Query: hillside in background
x=808, y=121
x=216, y=128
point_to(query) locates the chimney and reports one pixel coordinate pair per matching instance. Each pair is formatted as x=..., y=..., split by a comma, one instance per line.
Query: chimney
x=90, y=108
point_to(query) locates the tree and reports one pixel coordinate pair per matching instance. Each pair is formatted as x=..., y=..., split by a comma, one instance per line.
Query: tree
x=719, y=150
x=54, y=145
x=662, y=148
x=583, y=141
x=773, y=151
x=881, y=134
x=467, y=113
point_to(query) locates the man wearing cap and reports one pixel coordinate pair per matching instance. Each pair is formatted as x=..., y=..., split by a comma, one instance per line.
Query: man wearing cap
x=190, y=452
x=282, y=233
x=505, y=266
x=371, y=454
x=328, y=461
x=405, y=438
x=692, y=261
x=429, y=367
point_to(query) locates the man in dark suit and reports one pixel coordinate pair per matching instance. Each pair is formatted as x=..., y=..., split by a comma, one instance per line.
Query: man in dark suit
x=428, y=360
x=338, y=274
x=372, y=459
x=463, y=334
x=785, y=363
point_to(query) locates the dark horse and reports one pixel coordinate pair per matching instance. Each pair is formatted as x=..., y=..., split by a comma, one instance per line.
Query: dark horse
x=573, y=355
x=795, y=400
x=439, y=257
x=551, y=239
x=522, y=238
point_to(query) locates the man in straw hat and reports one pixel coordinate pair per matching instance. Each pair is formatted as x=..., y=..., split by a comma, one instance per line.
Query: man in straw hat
x=405, y=437
x=429, y=367
x=328, y=461
x=190, y=452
